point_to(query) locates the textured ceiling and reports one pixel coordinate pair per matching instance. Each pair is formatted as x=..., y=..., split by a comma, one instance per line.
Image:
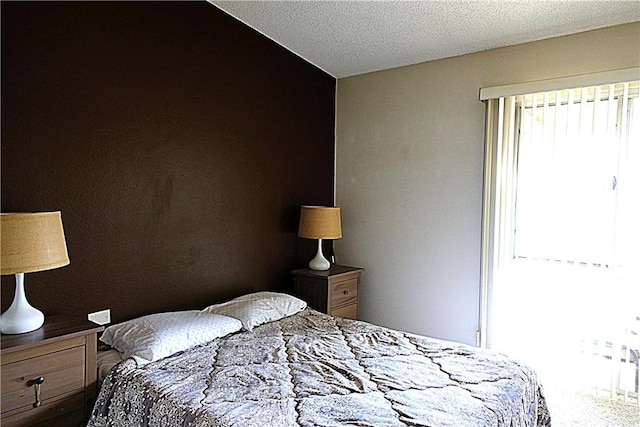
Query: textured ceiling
x=346, y=38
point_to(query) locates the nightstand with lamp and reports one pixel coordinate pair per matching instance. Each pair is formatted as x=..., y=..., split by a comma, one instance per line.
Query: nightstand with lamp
x=48, y=373
x=331, y=289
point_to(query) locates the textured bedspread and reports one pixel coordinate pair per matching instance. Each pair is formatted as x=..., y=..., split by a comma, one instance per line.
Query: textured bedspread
x=315, y=370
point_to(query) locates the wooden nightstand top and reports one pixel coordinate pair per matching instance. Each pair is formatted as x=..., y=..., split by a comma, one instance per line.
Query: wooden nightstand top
x=334, y=271
x=55, y=328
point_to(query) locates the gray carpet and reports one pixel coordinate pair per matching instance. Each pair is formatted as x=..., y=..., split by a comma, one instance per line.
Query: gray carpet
x=585, y=409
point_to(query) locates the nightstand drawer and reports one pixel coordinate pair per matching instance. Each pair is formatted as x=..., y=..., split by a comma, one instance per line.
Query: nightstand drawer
x=344, y=293
x=334, y=291
x=63, y=353
x=63, y=372
x=349, y=311
x=67, y=412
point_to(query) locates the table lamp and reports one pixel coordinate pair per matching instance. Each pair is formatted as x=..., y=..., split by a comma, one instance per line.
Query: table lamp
x=320, y=222
x=29, y=242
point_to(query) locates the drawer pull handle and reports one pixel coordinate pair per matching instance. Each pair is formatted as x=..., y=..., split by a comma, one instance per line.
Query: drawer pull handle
x=37, y=382
x=345, y=292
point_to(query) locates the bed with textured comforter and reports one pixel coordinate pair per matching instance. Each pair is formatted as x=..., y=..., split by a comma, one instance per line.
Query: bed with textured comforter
x=311, y=369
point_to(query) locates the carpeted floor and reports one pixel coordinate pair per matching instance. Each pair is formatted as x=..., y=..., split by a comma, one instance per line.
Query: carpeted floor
x=585, y=409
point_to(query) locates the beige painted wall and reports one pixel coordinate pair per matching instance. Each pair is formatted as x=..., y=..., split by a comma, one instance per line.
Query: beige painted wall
x=409, y=166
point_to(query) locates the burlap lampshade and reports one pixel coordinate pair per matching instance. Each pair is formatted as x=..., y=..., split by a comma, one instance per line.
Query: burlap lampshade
x=320, y=222
x=31, y=242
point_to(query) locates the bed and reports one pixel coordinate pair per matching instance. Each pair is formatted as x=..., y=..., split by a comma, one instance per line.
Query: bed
x=294, y=366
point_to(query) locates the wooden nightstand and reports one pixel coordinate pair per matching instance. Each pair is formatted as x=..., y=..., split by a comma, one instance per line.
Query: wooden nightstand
x=62, y=353
x=334, y=291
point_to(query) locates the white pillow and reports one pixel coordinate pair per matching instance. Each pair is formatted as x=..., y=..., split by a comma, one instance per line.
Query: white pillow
x=258, y=308
x=153, y=337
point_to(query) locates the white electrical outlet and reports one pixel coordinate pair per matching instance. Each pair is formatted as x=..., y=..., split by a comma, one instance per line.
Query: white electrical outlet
x=101, y=317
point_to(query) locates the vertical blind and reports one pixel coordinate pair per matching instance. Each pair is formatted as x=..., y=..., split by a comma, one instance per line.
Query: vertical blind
x=560, y=165
x=571, y=149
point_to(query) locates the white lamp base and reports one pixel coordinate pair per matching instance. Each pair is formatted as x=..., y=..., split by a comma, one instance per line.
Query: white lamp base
x=20, y=317
x=319, y=263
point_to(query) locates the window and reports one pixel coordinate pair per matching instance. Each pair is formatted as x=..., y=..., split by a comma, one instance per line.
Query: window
x=519, y=125
x=561, y=235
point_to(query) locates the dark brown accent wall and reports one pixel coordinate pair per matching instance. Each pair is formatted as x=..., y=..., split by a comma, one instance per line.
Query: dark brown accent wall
x=178, y=143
